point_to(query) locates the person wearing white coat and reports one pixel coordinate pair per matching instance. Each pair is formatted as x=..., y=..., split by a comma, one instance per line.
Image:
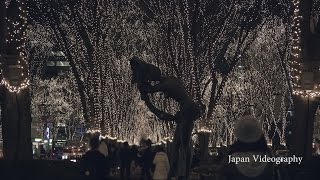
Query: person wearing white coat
x=103, y=148
x=162, y=165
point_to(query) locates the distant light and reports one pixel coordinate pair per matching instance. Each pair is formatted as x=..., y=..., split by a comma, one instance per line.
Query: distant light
x=37, y=139
x=60, y=53
x=62, y=63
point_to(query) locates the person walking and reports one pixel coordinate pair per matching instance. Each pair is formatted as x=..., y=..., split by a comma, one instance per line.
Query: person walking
x=162, y=165
x=103, y=149
x=147, y=158
x=125, y=161
x=93, y=163
x=42, y=152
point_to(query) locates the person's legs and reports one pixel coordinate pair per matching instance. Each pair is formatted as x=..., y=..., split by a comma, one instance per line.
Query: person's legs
x=143, y=172
x=182, y=178
x=122, y=169
x=148, y=174
x=128, y=170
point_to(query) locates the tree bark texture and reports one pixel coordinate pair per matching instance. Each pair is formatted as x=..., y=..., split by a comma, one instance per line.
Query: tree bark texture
x=16, y=113
x=16, y=125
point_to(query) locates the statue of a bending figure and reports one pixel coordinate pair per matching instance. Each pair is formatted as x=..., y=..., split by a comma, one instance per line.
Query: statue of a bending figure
x=172, y=87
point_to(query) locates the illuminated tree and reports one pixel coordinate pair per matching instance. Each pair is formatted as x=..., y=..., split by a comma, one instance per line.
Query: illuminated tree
x=39, y=47
x=14, y=92
x=98, y=38
x=258, y=86
x=56, y=101
x=201, y=42
x=315, y=17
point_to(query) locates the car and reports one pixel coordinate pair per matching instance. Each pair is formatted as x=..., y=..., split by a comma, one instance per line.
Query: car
x=72, y=153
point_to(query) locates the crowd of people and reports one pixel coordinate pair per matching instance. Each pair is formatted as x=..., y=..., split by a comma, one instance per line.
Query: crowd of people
x=105, y=158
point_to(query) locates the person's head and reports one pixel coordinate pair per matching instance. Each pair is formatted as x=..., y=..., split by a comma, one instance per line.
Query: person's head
x=134, y=147
x=135, y=62
x=248, y=129
x=103, y=140
x=94, y=142
x=148, y=143
x=126, y=144
x=160, y=149
x=248, y=132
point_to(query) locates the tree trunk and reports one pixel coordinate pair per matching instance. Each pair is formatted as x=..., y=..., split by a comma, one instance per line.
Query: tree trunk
x=310, y=42
x=16, y=125
x=305, y=108
x=2, y=27
x=16, y=116
x=204, y=143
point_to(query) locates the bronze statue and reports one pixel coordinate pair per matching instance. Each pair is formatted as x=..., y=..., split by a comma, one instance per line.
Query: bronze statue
x=190, y=111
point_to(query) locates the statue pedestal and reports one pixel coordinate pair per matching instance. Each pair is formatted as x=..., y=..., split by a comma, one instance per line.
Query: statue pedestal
x=203, y=144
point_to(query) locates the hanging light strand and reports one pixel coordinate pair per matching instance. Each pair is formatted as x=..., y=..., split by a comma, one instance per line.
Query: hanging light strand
x=16, y=35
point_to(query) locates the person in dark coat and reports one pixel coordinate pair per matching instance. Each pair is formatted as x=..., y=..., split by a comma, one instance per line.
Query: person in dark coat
x=147, y=162
x=93, y=162
x=112, y=157
x=250, y=142
x=42, y=152
x=125, y=161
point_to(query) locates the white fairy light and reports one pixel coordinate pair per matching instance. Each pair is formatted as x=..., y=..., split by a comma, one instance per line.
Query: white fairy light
x=15, y=35
x=296, y=67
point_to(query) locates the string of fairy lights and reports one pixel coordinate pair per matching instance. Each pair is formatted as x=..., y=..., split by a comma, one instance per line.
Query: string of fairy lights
x=296, y=66
x=16, y=35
